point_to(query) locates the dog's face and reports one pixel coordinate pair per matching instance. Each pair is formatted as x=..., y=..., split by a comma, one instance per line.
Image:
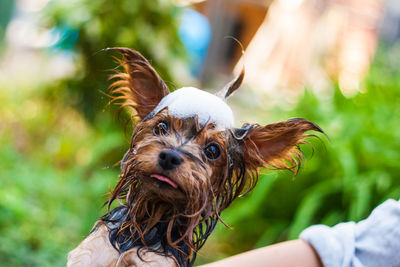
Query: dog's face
x=177, y=160
x=187, y=162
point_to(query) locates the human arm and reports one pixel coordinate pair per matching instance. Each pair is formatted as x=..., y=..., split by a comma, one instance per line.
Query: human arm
x=374, y=241
x=296, y=253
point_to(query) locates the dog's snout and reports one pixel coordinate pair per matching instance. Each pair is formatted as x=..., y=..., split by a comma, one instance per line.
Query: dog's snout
x=169, y=159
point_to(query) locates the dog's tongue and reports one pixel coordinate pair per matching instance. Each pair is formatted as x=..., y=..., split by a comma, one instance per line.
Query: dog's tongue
x=164, y=179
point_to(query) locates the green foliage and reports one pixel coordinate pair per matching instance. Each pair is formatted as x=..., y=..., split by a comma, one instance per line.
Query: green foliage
x=54, y=173
x=42, y=211
x=6, y=10
x=147, y=26
x=344, y=179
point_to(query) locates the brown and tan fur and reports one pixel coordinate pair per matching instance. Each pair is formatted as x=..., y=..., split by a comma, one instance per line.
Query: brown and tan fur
x=96, y=250
x=205, y=186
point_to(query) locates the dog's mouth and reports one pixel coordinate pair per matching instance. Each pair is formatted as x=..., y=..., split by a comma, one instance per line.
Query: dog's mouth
x=164, y=179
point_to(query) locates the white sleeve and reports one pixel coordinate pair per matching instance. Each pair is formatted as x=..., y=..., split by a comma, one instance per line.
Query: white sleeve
x=372, y=242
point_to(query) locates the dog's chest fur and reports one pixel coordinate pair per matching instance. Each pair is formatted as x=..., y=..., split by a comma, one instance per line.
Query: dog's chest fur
x=96, y=250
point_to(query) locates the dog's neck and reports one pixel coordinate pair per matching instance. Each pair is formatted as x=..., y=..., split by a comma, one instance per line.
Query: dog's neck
x=123, y=238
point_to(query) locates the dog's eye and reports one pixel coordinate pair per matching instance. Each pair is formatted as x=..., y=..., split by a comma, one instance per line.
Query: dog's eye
x=212, y=151
x=161, y=128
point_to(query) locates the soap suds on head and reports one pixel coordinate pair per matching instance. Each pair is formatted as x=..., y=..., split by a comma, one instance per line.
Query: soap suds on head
x=189, y=102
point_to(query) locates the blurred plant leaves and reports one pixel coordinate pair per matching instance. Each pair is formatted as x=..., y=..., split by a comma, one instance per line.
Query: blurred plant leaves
x=147, y=26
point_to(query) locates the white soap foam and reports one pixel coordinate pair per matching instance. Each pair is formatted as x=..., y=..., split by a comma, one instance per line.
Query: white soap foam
x=189, y=101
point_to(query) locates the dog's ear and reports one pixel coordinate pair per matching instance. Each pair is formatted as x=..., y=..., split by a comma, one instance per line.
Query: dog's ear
x=231, y=87
x=276, y=144
x=139, y=87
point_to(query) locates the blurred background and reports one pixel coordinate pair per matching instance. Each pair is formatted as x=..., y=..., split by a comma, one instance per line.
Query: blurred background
x=334, y=62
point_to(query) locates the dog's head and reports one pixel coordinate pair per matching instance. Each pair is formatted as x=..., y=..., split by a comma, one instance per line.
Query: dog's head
x=187, y=162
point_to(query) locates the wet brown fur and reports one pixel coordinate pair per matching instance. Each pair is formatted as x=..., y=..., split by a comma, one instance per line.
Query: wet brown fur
x=200, y=181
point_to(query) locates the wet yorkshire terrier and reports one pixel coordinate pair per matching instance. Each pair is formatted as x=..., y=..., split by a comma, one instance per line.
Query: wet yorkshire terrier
x=185, y=165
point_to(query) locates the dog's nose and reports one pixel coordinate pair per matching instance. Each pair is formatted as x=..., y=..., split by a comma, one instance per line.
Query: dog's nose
x=169, y=159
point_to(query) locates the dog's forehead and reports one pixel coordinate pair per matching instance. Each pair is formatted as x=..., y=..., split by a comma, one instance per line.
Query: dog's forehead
x=189, y=102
